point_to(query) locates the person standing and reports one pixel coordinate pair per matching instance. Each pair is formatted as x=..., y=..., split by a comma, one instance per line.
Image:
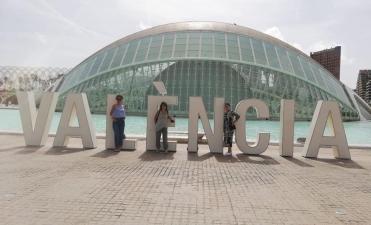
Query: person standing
x=118, y=121
x=161, y=122
x=230, y=118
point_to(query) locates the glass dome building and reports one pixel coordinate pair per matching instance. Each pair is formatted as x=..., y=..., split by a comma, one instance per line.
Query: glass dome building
x=208, y=59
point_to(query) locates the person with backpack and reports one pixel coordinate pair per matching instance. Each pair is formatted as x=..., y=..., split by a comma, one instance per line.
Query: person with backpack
x=162, y=119
x=230, y=118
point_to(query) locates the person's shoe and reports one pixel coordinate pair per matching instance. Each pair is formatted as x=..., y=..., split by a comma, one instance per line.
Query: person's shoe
x=166, y=151
x=228, y=153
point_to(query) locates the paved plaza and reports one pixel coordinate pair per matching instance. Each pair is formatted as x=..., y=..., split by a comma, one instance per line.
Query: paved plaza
x=74, y=186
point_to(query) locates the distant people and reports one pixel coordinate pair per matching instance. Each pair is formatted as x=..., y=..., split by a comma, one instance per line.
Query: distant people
x=118, y=121
x=230, y=118
x=162, y=120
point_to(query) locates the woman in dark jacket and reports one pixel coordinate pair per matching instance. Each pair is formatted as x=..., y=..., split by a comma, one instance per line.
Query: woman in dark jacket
x=230, y=118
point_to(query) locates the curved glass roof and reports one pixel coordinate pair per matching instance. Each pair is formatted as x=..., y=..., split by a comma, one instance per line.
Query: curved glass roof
x=205, y=41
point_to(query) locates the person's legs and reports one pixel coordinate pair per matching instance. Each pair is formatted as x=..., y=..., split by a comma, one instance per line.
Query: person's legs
x=116, y=132
x=123, y=130
x=120, y=132
x=164, y=138
x=158, y=136
x=229, y=140
x=225, y=141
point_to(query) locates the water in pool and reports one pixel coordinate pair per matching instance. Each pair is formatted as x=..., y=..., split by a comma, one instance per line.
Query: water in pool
x=358, y=133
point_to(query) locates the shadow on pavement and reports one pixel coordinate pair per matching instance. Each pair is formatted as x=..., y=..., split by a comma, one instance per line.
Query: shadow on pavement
x=340, y=162
x=196, y=156
x=12, y=148
x=297, y=162
x=63, y=151
x=105, y=154
x=256, y=159
x=154, y=156
x=29, y=149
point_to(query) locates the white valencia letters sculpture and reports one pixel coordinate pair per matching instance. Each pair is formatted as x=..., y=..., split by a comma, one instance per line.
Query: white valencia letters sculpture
x=287, y=117
x=262, y=112
x=77, y=103
x=326, y=111
x=197, y=111
x=36, y=124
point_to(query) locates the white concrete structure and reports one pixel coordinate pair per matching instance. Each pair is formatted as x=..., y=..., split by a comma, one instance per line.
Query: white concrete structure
x=197, y=111
x=36, y=123
x=262, y=112
x=327, y=112
x=287, y=116
x=76, y=105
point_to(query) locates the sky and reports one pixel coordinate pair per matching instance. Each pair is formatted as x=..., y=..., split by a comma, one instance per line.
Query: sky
x=62, y=33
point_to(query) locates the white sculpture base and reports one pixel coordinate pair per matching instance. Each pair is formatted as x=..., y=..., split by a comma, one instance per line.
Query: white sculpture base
x=128, y=145
x=170, y=148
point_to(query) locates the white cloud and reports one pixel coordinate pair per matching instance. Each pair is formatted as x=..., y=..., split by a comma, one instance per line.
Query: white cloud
x=275, y=32
x=143, y=26
x=321, y=45
x=298, y=46
x=345, y=58
x=41, y=38
x=46, y=9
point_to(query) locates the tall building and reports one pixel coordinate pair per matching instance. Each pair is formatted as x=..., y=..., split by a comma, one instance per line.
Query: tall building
x=330, y=59
x=208, y=59
x=364, y=85
x=368, y=90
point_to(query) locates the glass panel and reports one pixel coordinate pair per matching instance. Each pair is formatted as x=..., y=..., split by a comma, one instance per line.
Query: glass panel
x=296, y=65
x=180, y=45
x=246, y=50
x=154, y=50
x=272, y=55
x=319, y=77
x=193, y=45
x=219, y=40
x=107, y=60
x=130, y=53
x=307, y=70
x=118, y=57
x=142, y=50
x=207, y=45
x=259, y=52
x=284, y=59
x=167, y=47
x=85, y=72
x=233, y=50
x=96, y=65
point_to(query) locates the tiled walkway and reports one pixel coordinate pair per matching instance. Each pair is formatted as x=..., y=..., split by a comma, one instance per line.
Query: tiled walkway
x=74, y=186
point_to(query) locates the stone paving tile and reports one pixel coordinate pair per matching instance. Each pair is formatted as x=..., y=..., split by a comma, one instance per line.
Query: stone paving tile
x=75, y=186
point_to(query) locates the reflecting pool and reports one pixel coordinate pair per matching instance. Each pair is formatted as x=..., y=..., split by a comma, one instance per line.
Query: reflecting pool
x=358, y=133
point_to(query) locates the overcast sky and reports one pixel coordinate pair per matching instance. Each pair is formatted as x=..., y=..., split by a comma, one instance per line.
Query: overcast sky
x=63, y=33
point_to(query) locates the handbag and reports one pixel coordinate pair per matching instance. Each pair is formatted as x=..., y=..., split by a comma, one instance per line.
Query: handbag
x=231, y=124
